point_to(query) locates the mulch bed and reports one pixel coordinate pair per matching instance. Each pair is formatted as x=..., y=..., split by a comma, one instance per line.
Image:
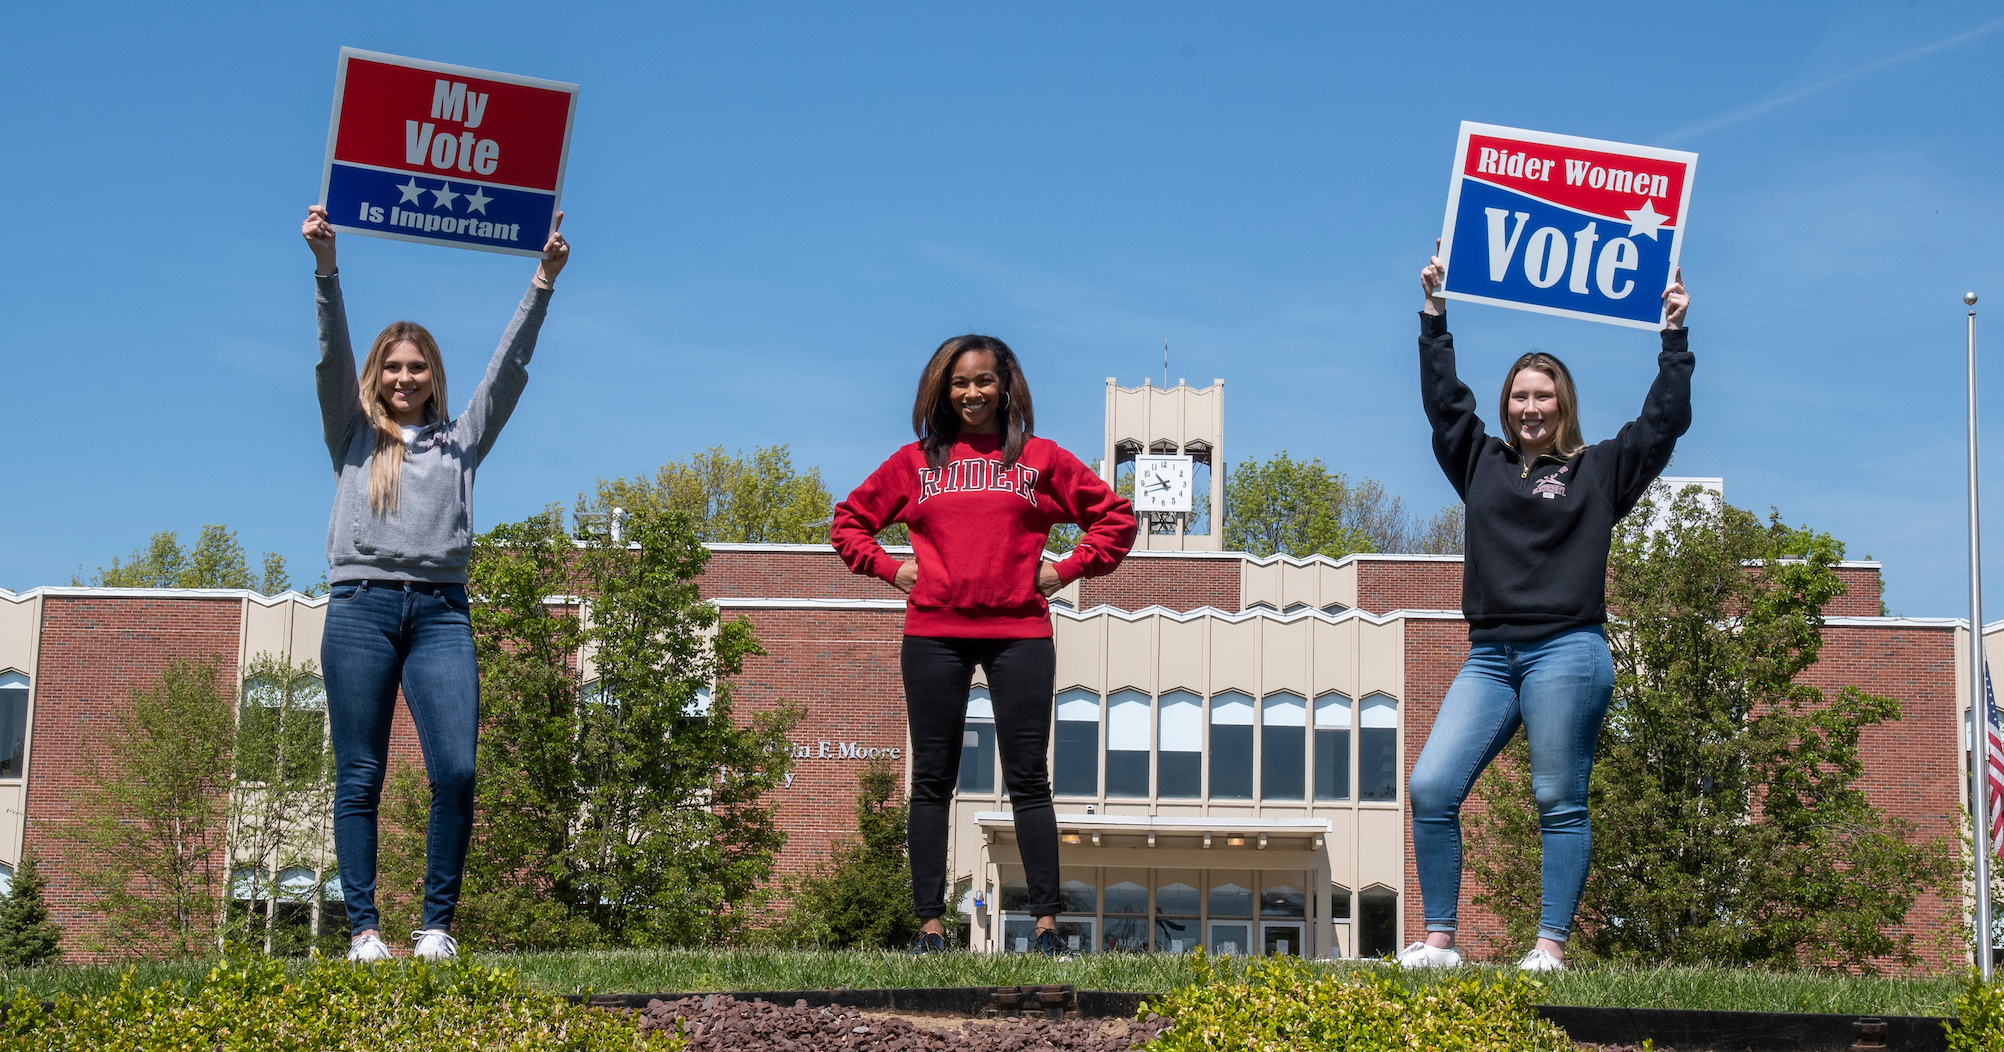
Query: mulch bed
x=722, y=1023
x=719, y=1022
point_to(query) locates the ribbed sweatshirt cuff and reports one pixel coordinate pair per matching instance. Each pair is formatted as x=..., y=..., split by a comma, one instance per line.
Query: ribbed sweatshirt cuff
x=1433, y=325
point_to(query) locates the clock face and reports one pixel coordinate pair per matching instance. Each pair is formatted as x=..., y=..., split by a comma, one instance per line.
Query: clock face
x=1162, y=482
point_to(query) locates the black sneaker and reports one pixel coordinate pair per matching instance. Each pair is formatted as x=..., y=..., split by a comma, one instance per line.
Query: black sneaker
x=927, y=943
x=1047, y=944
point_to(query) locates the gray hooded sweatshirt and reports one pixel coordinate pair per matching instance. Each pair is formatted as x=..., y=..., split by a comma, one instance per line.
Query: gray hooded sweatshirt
x=430, y=535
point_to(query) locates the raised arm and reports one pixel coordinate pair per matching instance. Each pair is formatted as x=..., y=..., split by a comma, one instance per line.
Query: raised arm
x=1458, y=435
x=334, y=376
x=1643, y=446
x=487, y=412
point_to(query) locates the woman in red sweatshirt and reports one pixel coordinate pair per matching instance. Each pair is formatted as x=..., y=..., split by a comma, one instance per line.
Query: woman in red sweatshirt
x=980, y=494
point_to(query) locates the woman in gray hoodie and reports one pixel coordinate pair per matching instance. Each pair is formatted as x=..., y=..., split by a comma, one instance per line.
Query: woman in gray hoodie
x=397, y=548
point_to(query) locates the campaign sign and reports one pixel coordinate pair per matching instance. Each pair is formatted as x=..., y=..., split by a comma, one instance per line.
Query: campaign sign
x=1562, y=225
x=445, y=155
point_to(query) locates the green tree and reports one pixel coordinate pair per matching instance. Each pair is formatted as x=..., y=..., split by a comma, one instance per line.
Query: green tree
x=150, y=836
x=1289, y=506
x=27, y=936
x=862, y=895
x=619, y=806
x=1728, y=823
x=729, y=498
x=281, y=805
x=216, y=561
x=1366, y=507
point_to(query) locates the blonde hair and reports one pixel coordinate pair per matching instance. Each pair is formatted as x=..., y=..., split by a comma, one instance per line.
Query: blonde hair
x=1569, y=440
x=387, y=465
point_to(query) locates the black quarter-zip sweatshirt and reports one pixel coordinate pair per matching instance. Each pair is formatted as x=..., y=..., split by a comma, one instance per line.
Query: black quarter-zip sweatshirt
x=1538, y=535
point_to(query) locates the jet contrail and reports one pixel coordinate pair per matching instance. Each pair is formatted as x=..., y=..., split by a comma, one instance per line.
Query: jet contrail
x=1758, y=108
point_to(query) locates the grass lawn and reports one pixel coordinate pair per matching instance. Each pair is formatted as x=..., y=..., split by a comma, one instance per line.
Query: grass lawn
x=662, y=971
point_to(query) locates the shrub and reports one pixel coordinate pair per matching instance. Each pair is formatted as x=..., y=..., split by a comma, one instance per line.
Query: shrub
x=1980, y=1012
x=1277, y=1004
x=27, y=936
x=862, y=896
x=256, y=1003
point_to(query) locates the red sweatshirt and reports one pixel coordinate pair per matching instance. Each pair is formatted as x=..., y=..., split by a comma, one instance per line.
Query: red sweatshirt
x=978, y=533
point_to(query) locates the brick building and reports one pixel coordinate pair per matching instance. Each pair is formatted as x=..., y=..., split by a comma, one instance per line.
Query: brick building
x=1231, y=742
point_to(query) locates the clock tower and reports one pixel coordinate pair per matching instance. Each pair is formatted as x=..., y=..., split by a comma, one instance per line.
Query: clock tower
x=1165, y=449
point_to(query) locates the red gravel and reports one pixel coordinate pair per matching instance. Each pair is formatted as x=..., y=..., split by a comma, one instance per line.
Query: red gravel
x=721, y=1023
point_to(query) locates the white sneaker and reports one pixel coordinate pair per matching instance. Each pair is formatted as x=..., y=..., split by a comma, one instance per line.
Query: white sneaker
x=1420, y=955
x=1540, y=961
x=434, y=945
x=369, y=948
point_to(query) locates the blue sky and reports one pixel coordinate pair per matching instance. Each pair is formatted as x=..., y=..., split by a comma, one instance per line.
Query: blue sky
x=779, y=210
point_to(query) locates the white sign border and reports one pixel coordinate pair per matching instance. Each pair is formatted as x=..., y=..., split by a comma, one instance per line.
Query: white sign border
x=334, y=130
x=1689, y=160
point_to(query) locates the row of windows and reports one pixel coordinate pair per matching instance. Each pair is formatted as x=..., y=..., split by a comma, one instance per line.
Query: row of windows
x=298, y=913
x=1147, y=742
x=1225, y=916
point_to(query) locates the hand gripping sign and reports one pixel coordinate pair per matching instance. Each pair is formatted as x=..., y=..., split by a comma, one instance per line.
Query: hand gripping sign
x=445, y=155
x=1562, y=225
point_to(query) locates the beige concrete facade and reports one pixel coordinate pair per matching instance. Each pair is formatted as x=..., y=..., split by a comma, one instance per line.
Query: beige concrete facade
x=1311, y=669
x=1181, y=419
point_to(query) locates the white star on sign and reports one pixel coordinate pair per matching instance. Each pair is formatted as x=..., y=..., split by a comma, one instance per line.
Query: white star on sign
x=443, y=196
x=477, y=201
x=411, y=190
x=1645, y=220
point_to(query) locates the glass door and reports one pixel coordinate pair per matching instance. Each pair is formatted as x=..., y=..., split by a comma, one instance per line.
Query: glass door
x=1075, y=934
x=1018, y=929
x=1281, y=940
x=1231, y=938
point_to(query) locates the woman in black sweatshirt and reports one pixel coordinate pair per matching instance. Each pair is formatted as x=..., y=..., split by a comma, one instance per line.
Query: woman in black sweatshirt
x=1542, y=506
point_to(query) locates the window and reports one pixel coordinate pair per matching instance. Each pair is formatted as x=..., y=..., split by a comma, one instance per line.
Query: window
x=292, y=914
x=1378, y=749
x=1283, y=746
x=1231, y=746
x=1078, y=897
x=1179, y=740
x=1283, y=925
x=1127, y=743
x=977, y=744
x=282, y=730
x=1075, y=771
x=699, y=704
x=1377, y=922
x=1126, y=917
x=1127, y=898
x=1176, y=906
x=1283, y=901
x=1231, y=900
x=1230, y=929
x=13, y=724
x=1332, y=747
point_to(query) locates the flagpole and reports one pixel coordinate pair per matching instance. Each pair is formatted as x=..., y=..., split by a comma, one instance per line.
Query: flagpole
x=1979, y=709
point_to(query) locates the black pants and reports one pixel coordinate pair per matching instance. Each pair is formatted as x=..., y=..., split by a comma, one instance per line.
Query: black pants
x=1020, y=680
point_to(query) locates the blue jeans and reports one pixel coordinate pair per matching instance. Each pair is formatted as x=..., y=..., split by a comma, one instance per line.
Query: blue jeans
x=1557, y=688
x=379, y=635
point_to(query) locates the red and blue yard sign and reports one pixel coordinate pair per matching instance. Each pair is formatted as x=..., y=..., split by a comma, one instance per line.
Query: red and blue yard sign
x=445, y=155
x=1562, y=225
